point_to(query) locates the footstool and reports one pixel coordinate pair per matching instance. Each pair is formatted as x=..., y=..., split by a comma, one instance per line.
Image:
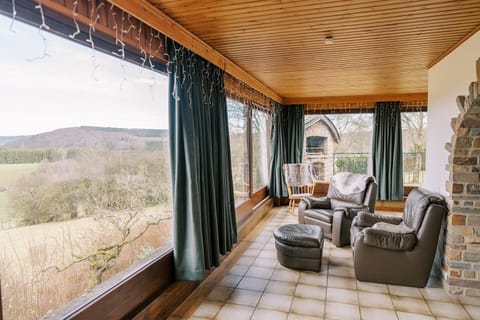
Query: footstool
x=299, y=246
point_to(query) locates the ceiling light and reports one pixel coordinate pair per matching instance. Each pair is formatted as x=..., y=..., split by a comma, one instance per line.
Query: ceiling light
x=329, y=40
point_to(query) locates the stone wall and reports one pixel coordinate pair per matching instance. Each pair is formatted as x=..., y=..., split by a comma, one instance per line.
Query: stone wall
x=462, y=247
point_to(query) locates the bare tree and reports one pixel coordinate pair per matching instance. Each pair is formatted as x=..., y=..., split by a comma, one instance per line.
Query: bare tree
x=120, y=210
x=355, y=130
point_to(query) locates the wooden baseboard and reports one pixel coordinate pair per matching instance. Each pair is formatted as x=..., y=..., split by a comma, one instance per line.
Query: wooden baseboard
x=389, y=205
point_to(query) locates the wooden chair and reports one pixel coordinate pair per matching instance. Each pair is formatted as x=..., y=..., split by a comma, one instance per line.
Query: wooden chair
x=300, y=182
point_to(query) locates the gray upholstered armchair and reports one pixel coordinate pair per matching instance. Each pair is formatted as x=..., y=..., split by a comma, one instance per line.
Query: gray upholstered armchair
x=399, y=250
x=347, y=194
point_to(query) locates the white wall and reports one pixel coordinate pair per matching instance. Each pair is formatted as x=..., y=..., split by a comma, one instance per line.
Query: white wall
x=447, y=79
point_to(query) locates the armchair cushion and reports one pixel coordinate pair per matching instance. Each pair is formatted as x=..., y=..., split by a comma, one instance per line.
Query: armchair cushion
x=348, y=187
x=367, y=219
x=390, y=236
x=317, y=203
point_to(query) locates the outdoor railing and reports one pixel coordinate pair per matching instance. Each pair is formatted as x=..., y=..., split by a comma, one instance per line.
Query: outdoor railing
x=324, y=166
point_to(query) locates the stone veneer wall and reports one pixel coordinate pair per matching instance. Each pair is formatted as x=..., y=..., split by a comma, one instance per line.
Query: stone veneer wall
x=461, y=263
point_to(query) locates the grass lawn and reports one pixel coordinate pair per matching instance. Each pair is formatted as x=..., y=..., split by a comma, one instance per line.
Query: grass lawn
x=8, y=174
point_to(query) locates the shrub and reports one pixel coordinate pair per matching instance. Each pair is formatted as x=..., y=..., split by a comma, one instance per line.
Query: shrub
x=352, y=164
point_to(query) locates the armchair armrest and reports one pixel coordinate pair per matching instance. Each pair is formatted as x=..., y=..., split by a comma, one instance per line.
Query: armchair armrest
x=391, y=237
x=317, y=203
x=351, y=212
x=367, y=219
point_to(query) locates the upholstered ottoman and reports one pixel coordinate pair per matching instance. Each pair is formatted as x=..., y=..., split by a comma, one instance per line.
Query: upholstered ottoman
x=299, y=246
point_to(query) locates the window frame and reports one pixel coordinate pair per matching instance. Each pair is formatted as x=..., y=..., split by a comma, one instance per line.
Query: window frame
x=245, y=205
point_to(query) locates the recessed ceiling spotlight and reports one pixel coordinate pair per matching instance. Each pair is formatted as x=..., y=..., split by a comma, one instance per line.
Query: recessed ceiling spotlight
x=329, y=40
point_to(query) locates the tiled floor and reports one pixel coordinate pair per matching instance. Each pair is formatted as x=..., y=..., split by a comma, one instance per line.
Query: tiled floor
x=256, y=286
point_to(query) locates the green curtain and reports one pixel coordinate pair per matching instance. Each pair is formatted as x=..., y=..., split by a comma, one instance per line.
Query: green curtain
x=286, y=144
x=203, y=203
x=387, y=160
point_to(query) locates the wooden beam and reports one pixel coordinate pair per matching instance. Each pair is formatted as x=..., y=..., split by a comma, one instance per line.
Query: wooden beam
x=152, y=16
x=368, y=98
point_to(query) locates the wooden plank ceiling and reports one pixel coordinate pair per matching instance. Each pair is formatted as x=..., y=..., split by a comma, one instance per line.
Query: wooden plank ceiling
x=380, y=47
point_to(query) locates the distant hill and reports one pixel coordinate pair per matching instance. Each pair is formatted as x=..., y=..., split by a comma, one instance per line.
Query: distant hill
x=113, y=139
x=6, y=139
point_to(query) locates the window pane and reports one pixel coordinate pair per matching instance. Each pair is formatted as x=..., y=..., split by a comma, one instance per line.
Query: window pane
x=338, y=143
x=82, y=194
x=237, y=127
x=414, y=126
x=260, y=148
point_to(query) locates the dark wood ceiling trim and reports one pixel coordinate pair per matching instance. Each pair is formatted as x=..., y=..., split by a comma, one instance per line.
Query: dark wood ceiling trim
x=455, y=46
x=152, y=16
x=349, y=99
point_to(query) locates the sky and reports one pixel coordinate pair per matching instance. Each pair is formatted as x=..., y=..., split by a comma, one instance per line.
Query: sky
x=71, y=86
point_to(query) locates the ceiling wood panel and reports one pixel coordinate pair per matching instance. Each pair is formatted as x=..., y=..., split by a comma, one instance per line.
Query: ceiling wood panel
x=381, y=47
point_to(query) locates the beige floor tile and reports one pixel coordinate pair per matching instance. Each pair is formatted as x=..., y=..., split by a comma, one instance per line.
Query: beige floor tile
x=294, y=316
x=238, y=270
x=314, y=279
x=245, y=261
x=220, y=293
x=412, y=305
x=268, y=254
x=208, y=309
x=448, y=310
x=263, y=314
x=265, y=262
x=235, y=312
x=343, y=252
x=230, y=281
x=259, y=272
x=251, y=252
x=473, y=311
x=341, y=311
x=274, y=301
x=307, y=307
x=245, y=297
x=412, y=316
x=341, y=271
x=257, y=245
x=254, y=284
x=263, y=238
x=404, y=291
x=437, y=294
x=285, y=275
x=372, y=287
x=377, y=314
x=310, y=292
x=474, y=301
x=281, y=287
x=341, y=283
x=342, y=295
x=375, y=300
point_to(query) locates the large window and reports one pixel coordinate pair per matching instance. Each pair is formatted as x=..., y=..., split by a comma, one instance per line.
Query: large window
x=249, y=130
x=238, y=131
x=342, y=143
x=261, y=125
x=414, y=126
x=84, y=168
x=337, y=143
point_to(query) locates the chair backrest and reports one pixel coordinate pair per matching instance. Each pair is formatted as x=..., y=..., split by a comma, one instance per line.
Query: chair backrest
x=416, y=206
x=352, y=190
x=298, y=174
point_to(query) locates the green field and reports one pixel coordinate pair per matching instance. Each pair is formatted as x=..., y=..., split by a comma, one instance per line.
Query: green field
x=8, y=174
